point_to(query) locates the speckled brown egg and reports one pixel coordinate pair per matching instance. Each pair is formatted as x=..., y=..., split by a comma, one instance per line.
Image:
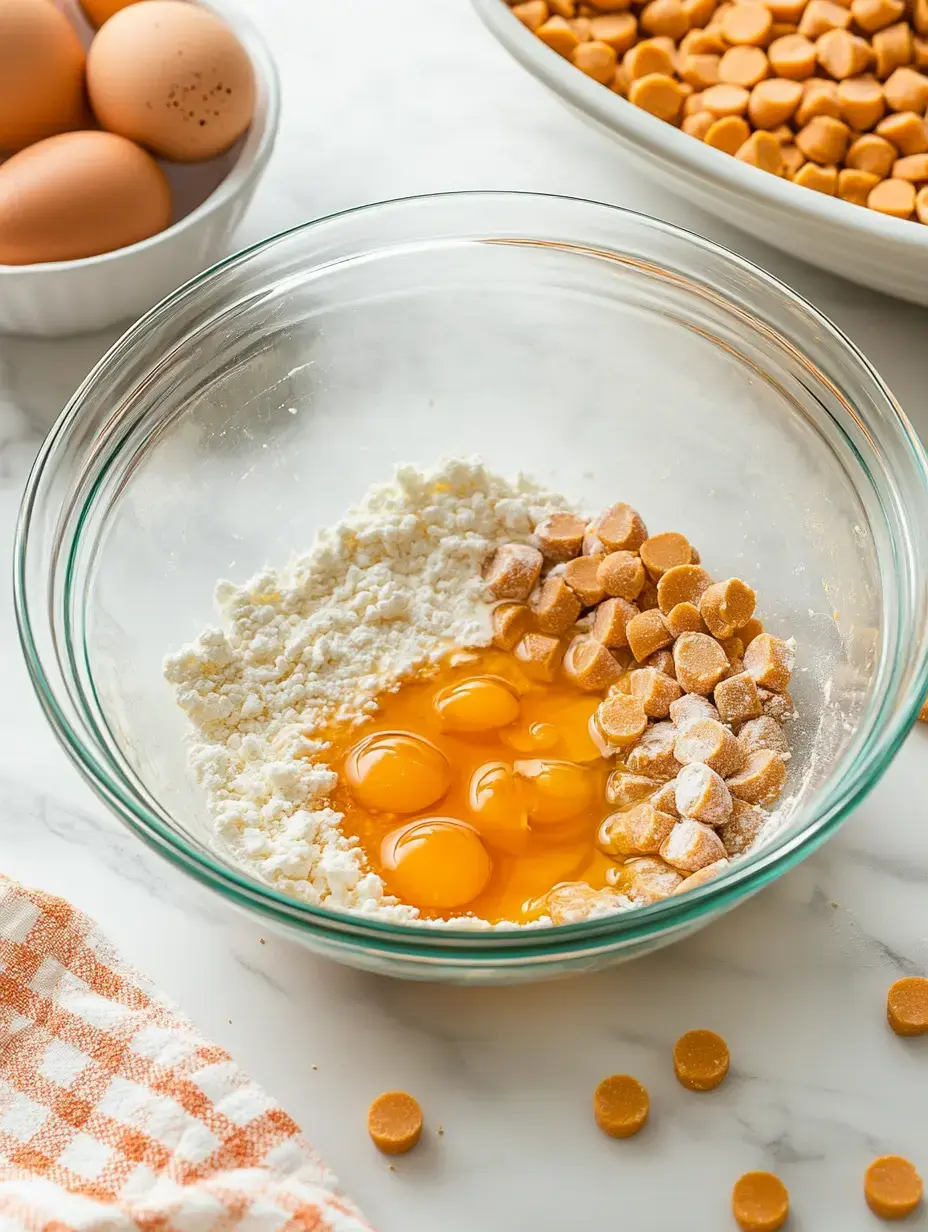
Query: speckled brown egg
x=41, y=74
x=99, y=11
x=173, y=77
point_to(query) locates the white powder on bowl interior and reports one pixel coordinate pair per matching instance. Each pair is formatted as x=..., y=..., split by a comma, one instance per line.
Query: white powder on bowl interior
x=387, y=591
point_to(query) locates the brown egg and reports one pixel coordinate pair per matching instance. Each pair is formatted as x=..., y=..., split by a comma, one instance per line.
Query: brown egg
x=173, y=77
x=41, y=73
x=79, y=194
x=99, y=11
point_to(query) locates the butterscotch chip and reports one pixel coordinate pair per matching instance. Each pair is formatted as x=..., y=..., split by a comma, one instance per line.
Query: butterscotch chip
x=559, y=536
x=611, y=622
x=742, y=828
x=574, y=901
x=620, y=1106
x=510, y=622
x=394, y=1122
x=681, y=584
x=639, y=832
x=698, y=125
x=728, y=134
x=856, y=186
x=777, y=706
x=665, y=799
x=665, y=551
x=655, y=691
x=659, y=94
x=590, y=666
x=748, y=632
x=621, y=529
x=621, y=574
x=709, y=742
x=792, y=56
x=743, y=66
x=841, y=54
x=581, y=575
x=559, y=35
x=555, y=606
x=906, y=131
x=647, y=880
x=624, y=789
x=819, y=179
x=726, y=100
x=819, y=98
x=700, y=662
x=762, y=150
x=913, y=167
x=661, y=661
x=873, y=15
x=653, y=754
x=533, y=13
x=762, y=733
x=597, y=60
x=770, y=661
x=700, y=793
x=621, y=719
x=871, y=153
x=647, y=633
x=737, y=699
x=726, y=606
x=760, y=1202
x=761, y=780
x=733, y=647
x=647, y=600
x=701, y=876
x=540, y=655
x=699, y=69
x=690, y=709
x=892, y=47
x=773, y=102
x=513, y=571
x=907, y=1006
x=691, y=845
x=821, y=15
x=907, y=90
x=747, y=22
x=892, y=1187
x=619, y=30
x=861, y=102
x=700, y=1058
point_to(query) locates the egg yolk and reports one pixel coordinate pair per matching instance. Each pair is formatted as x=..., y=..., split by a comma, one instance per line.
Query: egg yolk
x=476, y=706
x=438, y=863
x=397, y=772
x=556, y=790
x=496, y=802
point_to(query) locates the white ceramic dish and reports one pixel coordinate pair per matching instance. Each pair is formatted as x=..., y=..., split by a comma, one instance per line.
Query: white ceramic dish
x=58, y=298
x=881, y=252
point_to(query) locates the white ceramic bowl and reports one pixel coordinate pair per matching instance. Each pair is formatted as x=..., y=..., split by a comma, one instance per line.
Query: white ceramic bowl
x=73, y=297
x=881, y=252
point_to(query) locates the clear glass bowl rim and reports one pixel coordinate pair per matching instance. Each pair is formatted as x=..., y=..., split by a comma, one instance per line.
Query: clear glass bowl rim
x=896, y=713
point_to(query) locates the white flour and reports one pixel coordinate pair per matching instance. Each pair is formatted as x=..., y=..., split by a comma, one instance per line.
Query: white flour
x=387, y=591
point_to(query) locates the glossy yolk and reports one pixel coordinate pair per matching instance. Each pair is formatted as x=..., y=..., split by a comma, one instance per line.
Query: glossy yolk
x=476, y=790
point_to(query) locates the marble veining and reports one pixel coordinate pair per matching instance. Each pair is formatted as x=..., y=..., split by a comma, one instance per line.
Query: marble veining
x=387, y=100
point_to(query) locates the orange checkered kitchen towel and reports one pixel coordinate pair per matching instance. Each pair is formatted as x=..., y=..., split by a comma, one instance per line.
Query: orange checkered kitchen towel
x=116, y=1114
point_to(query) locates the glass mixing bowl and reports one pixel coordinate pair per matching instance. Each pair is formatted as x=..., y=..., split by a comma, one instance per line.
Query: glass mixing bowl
x=611, y=356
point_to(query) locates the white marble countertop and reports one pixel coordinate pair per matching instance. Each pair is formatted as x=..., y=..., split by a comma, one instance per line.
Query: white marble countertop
x=385, y=100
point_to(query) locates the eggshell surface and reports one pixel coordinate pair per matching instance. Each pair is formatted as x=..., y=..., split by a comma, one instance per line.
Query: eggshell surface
x=41, y=74
x=99, y=11
x=173, y=77
x=79, y=194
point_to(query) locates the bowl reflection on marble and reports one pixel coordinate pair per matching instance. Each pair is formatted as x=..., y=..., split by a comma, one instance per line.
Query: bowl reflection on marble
x=612, y=357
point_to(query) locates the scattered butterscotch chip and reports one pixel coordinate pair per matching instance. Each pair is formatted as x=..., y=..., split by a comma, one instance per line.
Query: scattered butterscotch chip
x=762, y=733
x=665, y=799
x=710, y=743
x=737, y=699
x=560, y=536
x=573, y=901
x=647, y=600
x=742, y=828
x=761, y=780
x=760, y=1202
x=621, y=719
x=892, y=1187
x=655, y=691
x=621, y=574
x=665, y=551
x=681, y=584
x=726, y=606
x=907, y=1006
x=511, y=621
x=770, y=661
x=646, y=880
x=621, y=529
x=581, y=575
x=394, y=1122
x=559, y=35
x=661, y=661
x=653, y=754
x=611, y=622
x=624, y=789
x=647, y=633
x=702, y=876
x=555, y=605
x=777, y=706
x=700, y=1059
x=639, y=832
x=540, y=655
x=748, y=632
x=589, y=665
x=691, y=845
x=700, y=662
x=513, y=571
x=685, y=618
x=701, y=793
x=689, y=709
x=620, y=1105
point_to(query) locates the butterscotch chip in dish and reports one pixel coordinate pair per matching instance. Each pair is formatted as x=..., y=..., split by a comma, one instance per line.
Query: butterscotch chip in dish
x=621, y=529
x=661, y=661
x=394, y=1122
x=655, y=691
x=700, y=1058
x=620, y=1106
x=621, y=574
x=639, y=832
x=760, y=1202
x=685, y=618
x=700, y=662
x=689, y=709
x=560, y=536
x=540, y=655
x=647, y=633
x=589, y=665
x=777, y=706
x=665, y=551
x=653, y=754
x=624, y=789
x=611, y=622
x=742, y=828
x=907, y=1006
x=726, y=606
x=665, y=799
x=556, y=606
x=762, y=733
x=712, y=744
x=691, y=845
x=511, y=621
x=647, y=600
x=892, y=1187
x=582, y=576
x=770, y=661
x=682, y=584
x=702, y=876
x=513, y=571
x=621, y=719
x=761, y=780
x=573, y=901
x=646, y=880
x=737, y=699
x=700, y=793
